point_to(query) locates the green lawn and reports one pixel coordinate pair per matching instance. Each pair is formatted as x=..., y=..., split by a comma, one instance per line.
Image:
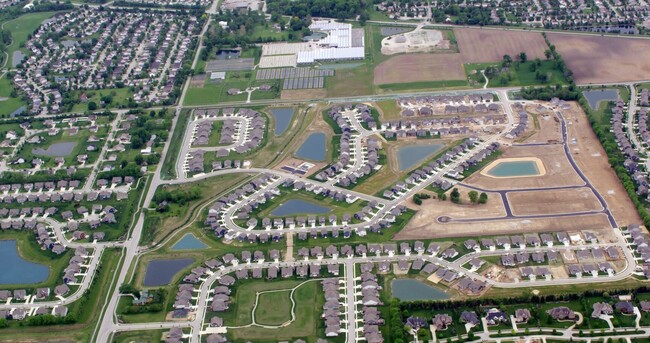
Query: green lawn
x=273, y=308
x=307, y=325
x=119, y=95
x=519, y=74
x=150, y=336
x=23, y=26
x=214, y=93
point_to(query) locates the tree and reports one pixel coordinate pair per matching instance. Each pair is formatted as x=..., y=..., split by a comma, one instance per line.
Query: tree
x=455, y=196
x=92, y=106
x=507, y=60
x=473, y=197
x=442, y=197
x=548, y=54
x=522, y=57
x=483, y=198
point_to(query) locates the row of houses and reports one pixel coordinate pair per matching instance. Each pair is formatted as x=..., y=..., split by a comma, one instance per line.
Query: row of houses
x=57, y=196
x=535, y=240
x=426, y=111
x=21, y=313
x=368, y=287
x=632, y=157
x=639, y=241
x=333, y=308
x=430, y=100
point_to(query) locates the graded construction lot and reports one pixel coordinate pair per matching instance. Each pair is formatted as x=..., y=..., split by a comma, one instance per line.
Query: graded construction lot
x=592, y=160
x=553, y=201
x=420, y=67
x=545, y=209
x=478, y=46
x=433, y=229
x=558, y=170
x=595, y=59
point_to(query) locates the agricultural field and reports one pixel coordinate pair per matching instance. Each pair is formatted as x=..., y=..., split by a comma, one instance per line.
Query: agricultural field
x=596, y=59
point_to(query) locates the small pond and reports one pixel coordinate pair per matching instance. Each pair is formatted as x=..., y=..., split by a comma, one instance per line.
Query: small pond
x=411, y=155
x=161, y=272
x=189, y=242
x=514, y=168
x=313, y=148
x=594, y=97
x=294, y=207
x=16, y=270
x=56, y=150
x=412, y=290
x=282, y=118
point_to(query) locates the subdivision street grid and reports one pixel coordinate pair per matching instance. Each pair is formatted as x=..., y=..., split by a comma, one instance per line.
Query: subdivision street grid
x=67, y=229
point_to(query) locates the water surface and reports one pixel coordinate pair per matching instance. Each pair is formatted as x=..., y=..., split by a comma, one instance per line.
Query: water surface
x=294, y=207
x=56, y=150
x=514, y=168
x=412, y=290
x=161, y=272
x=411, y=155
x=313, y=148
x=189, y=242
x=594, y=97
x=16, y=270
x=282, y=118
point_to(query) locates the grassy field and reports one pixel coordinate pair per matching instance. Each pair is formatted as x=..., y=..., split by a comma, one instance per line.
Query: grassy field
x=158, y=225
x=519, y=74
x=390, y=109
x=119, y=95
x=307, y=325
x=21, y=27
x=168, y=169
x=150, y=336
x=215, y=93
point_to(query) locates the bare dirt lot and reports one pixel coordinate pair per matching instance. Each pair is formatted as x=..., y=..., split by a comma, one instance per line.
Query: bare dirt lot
x=301, y=94
x=418, y=40
x=431, y=209
x=589, y=156
x=595, y=59
x=592, y=160
x=478, y=46
x=420, y=67
x=558, y=170
x=553, y=201
x=500, y=227
x=545, y=127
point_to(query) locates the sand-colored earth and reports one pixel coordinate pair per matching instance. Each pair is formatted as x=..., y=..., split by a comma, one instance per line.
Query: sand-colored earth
x=432, y=229
x=303, y=94
x=419, y=67
x=596, y=59
x=540, y=167
x=558, y=170
x=478, y=46
x=553, y=201
x=419, y=40
x=431, y=209
x=592, y=160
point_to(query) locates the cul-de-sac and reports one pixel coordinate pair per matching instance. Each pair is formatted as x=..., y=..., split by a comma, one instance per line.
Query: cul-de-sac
x=313, y=171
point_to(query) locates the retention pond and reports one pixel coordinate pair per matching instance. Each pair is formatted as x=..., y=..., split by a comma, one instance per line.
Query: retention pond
x=161, y=272
x=412, y=290
x=16, y=270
